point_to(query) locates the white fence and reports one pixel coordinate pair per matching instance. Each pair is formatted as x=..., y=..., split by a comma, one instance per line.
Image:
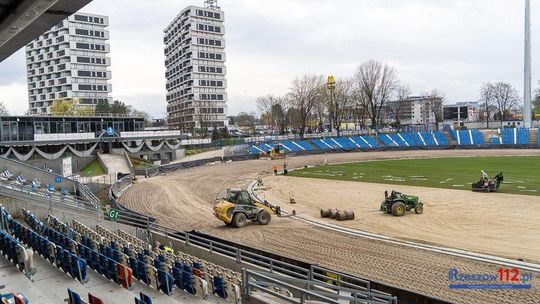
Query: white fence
x=151, y=134
x=63, y=136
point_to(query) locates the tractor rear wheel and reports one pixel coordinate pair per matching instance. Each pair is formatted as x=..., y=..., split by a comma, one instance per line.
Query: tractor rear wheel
x=239, y=220
x=398, y=209
x=419, y=209
x=264, y=217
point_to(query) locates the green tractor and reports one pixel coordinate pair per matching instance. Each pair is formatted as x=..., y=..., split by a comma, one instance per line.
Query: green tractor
x=398, y=203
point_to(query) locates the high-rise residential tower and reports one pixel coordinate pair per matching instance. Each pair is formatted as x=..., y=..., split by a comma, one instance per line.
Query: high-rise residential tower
x=70, y=62
x=195, y=69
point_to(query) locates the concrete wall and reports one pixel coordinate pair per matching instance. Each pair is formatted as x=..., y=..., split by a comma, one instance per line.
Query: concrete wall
x=77, y=163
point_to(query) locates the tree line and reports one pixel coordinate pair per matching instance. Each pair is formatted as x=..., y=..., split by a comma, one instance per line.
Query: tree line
x=372, y=97
x=362, y=98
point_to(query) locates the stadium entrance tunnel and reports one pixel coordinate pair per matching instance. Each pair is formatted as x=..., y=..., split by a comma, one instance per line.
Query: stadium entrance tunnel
x=403, y=295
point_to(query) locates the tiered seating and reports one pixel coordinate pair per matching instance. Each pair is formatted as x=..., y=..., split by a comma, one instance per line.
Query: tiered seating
x=388, y=140
x=468, y=137
x=289, y=146
x=14, y=250
x=436, y=138
x=75, y=298
x=163, y=270
x=6, y=175
x=346, y=142
x=52, y=245
x=365, y=141
x=439, y=138
x=495, y=140
x=306, y=145
x=515, y=136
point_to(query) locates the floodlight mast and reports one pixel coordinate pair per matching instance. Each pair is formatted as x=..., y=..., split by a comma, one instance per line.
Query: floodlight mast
x=527, y=60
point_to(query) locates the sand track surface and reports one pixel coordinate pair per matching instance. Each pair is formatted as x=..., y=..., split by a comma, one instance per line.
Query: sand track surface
x=462, y=219
x=184, y=200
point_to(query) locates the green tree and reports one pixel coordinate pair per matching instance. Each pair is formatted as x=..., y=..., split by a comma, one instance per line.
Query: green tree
x=118, y=107
x=103, y=107
x=225, y=132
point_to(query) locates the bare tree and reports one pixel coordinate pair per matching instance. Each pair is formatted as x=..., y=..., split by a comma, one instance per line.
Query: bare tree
x=279, y=112
x=204, y=115
x=403, y=91
x=506, y=98
x=339, y=101
x=433, y=108
x=359, y=108
x=303, y=95
x=486, y=94
x=375, y=82
x=3, y=109
x=246, y=120
x=265, y=104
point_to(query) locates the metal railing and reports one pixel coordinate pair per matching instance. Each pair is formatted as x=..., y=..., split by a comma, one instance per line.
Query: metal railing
x=304, y=290
x=81, y=207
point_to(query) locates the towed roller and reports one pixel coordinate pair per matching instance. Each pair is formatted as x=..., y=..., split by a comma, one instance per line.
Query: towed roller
x=326, y=212
x=344, y=215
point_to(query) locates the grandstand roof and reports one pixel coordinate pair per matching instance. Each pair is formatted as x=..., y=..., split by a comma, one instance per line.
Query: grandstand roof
x=21, y=21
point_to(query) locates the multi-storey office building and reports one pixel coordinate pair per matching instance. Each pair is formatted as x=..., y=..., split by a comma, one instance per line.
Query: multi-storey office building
x=195, y=69
x=70, y=62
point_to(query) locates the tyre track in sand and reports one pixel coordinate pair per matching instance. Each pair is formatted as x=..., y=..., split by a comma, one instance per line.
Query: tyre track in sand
x=184, y=200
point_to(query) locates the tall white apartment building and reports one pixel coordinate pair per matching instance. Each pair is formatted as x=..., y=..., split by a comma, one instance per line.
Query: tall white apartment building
x=70, y=62
x=195, y=69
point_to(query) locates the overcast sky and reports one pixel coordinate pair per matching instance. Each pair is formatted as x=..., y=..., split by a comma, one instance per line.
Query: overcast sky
x=451, y=45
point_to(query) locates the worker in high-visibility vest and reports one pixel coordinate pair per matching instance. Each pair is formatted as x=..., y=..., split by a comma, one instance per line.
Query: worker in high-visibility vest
x=274, y=167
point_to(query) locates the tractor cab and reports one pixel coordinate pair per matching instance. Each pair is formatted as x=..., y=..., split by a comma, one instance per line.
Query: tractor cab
x=239, y=197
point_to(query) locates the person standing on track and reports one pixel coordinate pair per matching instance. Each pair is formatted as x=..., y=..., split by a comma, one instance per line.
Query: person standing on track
x=274, y=167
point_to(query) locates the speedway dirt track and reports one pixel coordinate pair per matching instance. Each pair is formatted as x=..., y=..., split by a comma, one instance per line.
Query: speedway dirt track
x=184, y=200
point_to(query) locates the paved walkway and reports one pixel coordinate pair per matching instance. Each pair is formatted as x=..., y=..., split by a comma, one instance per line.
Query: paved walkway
x=115, y=163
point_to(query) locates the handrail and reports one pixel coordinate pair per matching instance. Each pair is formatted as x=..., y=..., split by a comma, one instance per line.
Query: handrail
x=83, y=208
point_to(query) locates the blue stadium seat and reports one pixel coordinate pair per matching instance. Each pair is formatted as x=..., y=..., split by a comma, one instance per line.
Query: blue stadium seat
x=74, y=298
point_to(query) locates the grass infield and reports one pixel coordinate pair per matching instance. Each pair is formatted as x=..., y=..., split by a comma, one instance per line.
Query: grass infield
x=521, y=173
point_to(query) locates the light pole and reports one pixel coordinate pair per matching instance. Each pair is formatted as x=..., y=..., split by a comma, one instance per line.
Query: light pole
x=527, y=76
x=331, y=87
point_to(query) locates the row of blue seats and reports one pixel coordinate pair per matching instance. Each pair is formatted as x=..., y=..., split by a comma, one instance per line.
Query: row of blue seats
x=75, y=298
x=189, y=275
x=52, y=246
x=35, y=184
x=436, y=138
x=468, y=137
x=73, y=257
x=11, y=248
x=153, y=272
x=512, y=136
